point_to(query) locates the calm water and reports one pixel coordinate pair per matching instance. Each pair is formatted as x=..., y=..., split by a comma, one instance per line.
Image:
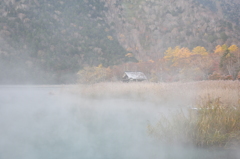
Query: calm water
x=49, y=123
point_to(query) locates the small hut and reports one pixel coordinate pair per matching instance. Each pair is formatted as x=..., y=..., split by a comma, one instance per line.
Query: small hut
x=133, y=76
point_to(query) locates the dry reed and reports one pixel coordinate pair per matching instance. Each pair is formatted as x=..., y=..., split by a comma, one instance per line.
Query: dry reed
x=209, y=124
x=186, y=94
x=214, y=121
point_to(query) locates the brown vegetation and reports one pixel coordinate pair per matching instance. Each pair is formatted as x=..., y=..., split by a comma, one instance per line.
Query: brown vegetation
x=212, y=124
x=207, y=114
x=185, y=93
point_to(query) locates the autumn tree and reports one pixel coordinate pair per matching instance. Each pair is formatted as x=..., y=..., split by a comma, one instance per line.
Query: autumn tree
x=201, y=61
x=180, y=62
x=220, y=49
x=229, y=62
x=236, y=51
x=171, y=54
x=201, y=51
x=93, y=74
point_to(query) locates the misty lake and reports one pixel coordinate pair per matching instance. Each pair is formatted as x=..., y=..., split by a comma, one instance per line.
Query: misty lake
x=52, y=123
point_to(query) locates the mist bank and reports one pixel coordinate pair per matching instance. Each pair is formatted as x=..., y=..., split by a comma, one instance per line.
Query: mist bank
x=61, y=123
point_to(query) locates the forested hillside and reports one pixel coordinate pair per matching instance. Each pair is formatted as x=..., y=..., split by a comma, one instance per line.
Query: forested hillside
x=148, y=27
x=228, y=9
x=49, y=41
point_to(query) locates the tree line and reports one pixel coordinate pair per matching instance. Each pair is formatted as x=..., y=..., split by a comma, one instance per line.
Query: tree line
x=177, y=64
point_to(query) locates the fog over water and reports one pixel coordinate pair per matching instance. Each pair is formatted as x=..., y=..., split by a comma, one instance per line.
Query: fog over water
x=50, y=123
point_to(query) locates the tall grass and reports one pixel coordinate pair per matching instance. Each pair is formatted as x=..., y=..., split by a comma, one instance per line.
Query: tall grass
x=208, y=114
x=210, y=124
x=185, y=94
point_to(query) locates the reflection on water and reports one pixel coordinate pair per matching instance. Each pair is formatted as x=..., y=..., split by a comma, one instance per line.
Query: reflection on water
x=49, y=123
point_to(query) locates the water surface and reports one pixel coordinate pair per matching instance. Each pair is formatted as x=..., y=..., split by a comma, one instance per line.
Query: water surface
x=52, y=123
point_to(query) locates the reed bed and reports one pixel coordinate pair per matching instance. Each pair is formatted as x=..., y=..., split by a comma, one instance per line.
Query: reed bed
x=209, y=114
x=182, y=94
x=211, y=124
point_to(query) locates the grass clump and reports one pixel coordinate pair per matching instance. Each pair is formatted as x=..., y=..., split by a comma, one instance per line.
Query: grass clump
x=210, y=124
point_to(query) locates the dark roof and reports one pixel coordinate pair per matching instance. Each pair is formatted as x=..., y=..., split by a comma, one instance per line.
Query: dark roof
x=136, y=75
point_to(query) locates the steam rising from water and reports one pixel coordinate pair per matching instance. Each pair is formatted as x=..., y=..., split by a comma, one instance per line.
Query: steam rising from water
x=36, y=123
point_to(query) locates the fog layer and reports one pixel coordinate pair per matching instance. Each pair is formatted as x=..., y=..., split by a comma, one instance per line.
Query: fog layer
x=39, y=123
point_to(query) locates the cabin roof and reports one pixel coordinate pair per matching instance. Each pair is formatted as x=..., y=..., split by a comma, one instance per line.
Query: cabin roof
x=136, y=75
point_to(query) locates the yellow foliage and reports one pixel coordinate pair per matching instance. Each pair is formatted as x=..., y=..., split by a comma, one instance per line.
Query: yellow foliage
x=171, y=54
x=200, y=51
x=224, y=47
x=218, y=50
x=110, y=37
x=93, y=74
x=168, y=53
x=151, y=61
x=228, y=55
x=100, y=66
x=129, y=55
x=184, y=53
x=233, y=48
x=178, y=56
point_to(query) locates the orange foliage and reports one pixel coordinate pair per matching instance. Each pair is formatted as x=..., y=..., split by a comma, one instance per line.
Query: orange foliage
x=179, y=64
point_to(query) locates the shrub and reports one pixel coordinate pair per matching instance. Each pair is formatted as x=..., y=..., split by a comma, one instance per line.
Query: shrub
x=215, y=76
x=227, y=77
x=93, y=74
x=218, y=76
